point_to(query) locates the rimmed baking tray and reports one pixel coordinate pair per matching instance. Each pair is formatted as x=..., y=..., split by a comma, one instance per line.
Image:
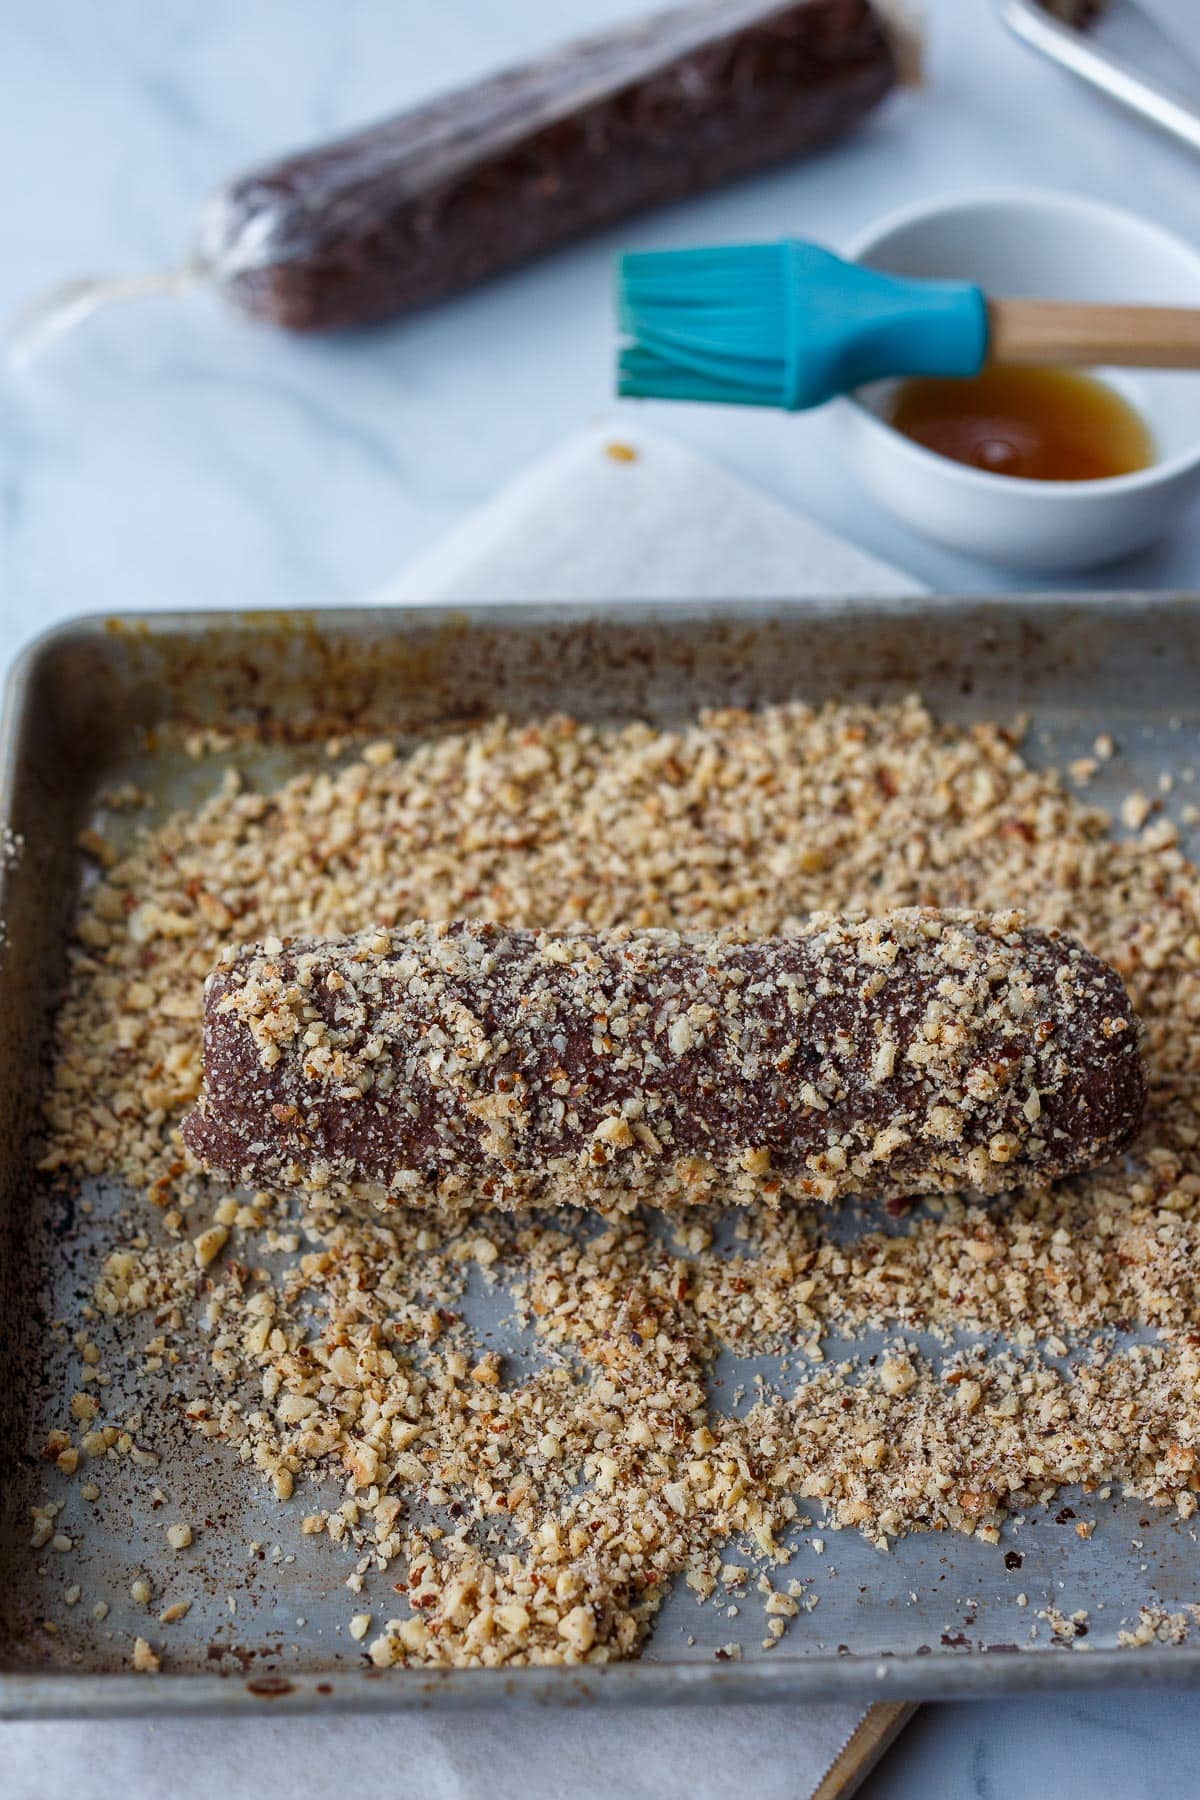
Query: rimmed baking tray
x=87, y=705
x=1121, y=50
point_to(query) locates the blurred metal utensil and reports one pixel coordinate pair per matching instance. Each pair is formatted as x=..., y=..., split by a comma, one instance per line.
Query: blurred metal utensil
x=1122, y=49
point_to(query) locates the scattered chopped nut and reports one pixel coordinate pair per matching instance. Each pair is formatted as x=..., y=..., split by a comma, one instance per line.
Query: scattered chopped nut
x=209, y=1245
x=575, y=1503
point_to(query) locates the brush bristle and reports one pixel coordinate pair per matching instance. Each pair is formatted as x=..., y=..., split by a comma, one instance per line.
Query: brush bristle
x=705, y=324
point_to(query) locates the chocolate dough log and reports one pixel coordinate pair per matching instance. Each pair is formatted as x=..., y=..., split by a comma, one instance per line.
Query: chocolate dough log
x=434, y=199
x=445, y=1064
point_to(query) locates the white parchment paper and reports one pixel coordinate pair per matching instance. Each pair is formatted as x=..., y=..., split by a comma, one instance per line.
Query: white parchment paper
x=618, y=513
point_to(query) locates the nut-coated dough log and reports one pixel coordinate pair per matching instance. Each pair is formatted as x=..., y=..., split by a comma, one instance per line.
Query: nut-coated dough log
x=440, y=1065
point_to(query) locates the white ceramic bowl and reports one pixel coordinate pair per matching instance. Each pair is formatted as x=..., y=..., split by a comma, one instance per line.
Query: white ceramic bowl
x=1059, y=246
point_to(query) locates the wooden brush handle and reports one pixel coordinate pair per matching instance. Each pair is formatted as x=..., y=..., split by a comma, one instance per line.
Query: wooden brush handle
x=878, y=1728
x=1070, y=332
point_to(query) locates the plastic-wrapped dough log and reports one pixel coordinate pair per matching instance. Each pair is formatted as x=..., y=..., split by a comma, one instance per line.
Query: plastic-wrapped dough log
x=440, y=1065
x=435, y=199
x=426, y=203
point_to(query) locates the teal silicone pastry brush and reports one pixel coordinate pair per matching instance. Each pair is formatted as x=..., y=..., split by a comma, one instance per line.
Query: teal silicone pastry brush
x=792, y=325
x=788, y=325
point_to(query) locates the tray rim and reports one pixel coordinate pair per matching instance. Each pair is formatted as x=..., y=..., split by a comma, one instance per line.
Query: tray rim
x=957, y=1675
x=33, y=1694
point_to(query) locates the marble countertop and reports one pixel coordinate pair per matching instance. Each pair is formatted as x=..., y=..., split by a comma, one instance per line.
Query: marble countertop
x=170, y=455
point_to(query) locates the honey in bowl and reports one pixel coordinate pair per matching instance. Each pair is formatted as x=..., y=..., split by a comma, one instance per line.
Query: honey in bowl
x=1041, y=424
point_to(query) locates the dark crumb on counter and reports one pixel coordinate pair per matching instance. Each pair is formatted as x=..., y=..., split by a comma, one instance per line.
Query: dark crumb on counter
x=1080, y=13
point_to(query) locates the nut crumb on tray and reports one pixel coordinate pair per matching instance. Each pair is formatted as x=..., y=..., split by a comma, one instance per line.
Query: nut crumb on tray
x=540, y=1513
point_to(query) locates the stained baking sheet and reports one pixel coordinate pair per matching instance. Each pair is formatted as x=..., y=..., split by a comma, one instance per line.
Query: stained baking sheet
x=87, y=706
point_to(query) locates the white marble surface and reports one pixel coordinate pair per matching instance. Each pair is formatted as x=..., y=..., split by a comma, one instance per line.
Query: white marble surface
x=172, y=456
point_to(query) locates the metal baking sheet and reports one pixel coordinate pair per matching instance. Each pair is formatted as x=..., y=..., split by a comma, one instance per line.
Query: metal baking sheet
x=933, y=1618
x=1122, y=50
